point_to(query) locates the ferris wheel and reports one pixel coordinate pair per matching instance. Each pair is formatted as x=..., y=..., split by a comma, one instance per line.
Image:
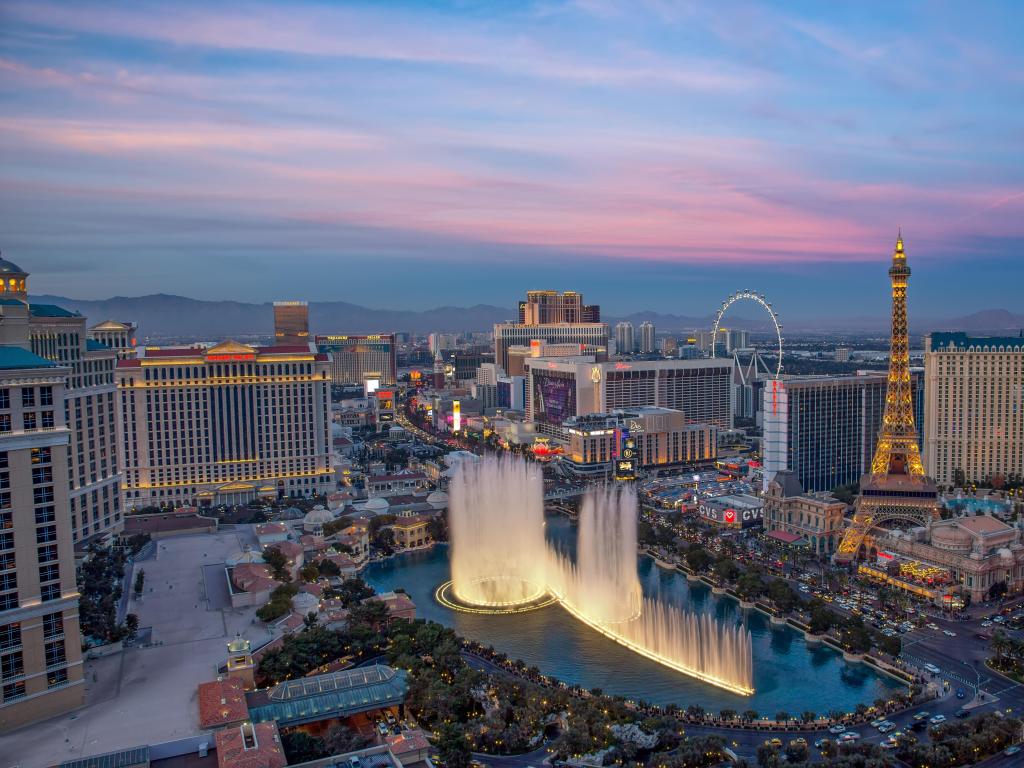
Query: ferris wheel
x=748, y=295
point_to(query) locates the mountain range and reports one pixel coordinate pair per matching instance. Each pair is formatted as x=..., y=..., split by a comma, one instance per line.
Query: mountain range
x=164, y=315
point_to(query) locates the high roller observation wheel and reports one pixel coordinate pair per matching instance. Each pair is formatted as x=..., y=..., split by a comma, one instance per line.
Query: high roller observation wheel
x=747, y=295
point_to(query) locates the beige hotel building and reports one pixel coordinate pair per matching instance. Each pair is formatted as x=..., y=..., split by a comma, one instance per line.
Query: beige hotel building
x=224, y=425
x=974, y=408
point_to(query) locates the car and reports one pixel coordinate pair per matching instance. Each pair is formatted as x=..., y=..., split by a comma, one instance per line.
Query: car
x=390, y=717
x=962, y=713
x=999, y=619
x=355, y=762
x=886, y=727
x=932, y=668
x=837, y=728
x=932, y=625
x=986, y=623
x=960, y=693
x=799, y=740
x=849, y=736
x=889, y=745
x=937, y=719
x=922, y=715
x=877, y=722
x=949, y=633
x=773, y=742
x=1010, y=751
x=822, y=743
x=382, y=728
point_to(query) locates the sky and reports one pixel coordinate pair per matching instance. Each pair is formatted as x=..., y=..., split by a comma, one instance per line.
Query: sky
x=655, y=155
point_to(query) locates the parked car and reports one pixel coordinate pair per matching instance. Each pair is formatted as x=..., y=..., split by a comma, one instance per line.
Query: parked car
x=937, y=719
x=837, y=728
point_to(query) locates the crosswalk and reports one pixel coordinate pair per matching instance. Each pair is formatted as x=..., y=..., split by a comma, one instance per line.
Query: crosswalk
x=946, y=674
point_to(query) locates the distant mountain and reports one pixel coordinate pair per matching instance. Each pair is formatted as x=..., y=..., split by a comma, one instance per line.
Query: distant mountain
x=164, y=315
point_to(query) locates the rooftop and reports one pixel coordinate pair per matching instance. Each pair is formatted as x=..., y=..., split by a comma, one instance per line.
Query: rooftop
x=12, y=358
x=336, y=694
x=222, y=702
x=255, y=746
x=983, y=524
x=50, y=310
x=122, y=758
x=960, y=341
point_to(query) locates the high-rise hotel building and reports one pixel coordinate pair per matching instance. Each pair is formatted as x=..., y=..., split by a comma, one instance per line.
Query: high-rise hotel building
x=974, y=408
x=291, y=322
x=824, y=428
x=356, y=358
x=40, y=645
x=561, y=388
x=224, y=425
x=547, y=307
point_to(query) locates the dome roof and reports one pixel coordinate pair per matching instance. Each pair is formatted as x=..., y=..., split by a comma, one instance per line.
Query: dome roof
x=950, y=537
x=10, y=268
x=377, y=503
x=318, y=515
x=304, y=603
x=438, y=499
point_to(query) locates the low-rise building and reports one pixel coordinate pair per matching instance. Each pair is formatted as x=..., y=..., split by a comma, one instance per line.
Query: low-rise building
x=816, y=517
x=399, y=483
x=410, y=532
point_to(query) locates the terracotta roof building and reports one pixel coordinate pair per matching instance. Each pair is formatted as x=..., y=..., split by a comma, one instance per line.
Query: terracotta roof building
x=222, y=703
x=250, y=746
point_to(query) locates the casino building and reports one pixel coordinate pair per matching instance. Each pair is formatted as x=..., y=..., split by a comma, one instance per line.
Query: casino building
x=223, y=425
x=356, y=358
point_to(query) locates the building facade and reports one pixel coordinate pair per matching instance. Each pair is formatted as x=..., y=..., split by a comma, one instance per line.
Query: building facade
x=815, y=517
x=824, y=428
x=518, y=334
x=40, y=643
x=625, y=338
x=559, y=388
x=223, y=425
x=291, y=323
x=546, y=307
x=647, y=333
x=974, y=408
x=662, y=437
x=95, y=478
x=120, y=337
x=354, y=358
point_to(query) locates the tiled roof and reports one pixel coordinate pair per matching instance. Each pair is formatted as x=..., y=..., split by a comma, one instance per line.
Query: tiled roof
x=12, y=358
x=265, y=750
x=983, y=524
x=407, y=741
x=222, y=702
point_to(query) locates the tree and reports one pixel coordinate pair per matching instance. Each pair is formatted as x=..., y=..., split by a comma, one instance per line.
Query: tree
x=131, y=627
x=781, y=716
x=340, y=740
x=725, y=569
x=140, y=581
x=796, y=752
x=278, y=563
x=697, y=558
x=310, y=572
x=300, y=747
x=453, y=747
x=437, y=528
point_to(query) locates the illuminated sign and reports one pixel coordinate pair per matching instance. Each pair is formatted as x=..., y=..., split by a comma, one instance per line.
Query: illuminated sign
x=230, y=357
x=730, y=516
x=456, y=415
x=628, y=460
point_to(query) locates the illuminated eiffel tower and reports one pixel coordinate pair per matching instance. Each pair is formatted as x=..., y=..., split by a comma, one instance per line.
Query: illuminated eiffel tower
x=896, y=488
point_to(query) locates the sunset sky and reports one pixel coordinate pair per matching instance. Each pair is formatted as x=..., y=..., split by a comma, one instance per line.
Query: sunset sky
x=655, y=155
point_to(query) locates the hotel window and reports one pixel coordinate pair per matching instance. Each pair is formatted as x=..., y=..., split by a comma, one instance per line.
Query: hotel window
x=28, y=397
x=5, y=398
x=55, y=653
x=10, y=636
x=50, y=592
x=56, y=678
x=12, y=665
x=46, y=395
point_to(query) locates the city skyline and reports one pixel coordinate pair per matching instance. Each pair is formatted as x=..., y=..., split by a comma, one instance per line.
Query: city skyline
x=224, y=153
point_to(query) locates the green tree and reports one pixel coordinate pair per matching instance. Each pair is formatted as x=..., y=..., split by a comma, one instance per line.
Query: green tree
x=310, y=572
x=131, y=627
x=140, y=581
x=278, y=563
x=453, y=747
x=697, y=558
x=300, y=747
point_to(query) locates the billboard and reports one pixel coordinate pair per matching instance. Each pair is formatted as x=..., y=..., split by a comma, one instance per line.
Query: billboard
x=627, y=461
x=554, y=398
x=456, y=415
x=732, y=517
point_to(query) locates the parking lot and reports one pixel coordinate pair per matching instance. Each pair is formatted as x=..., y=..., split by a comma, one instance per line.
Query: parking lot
x=148, y=695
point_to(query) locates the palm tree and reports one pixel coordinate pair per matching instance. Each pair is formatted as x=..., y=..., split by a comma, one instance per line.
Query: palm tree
x=782, y=717
x=750, y=715
x=808, y=716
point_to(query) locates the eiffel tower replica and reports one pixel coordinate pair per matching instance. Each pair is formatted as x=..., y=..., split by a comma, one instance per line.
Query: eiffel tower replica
x=896, y=489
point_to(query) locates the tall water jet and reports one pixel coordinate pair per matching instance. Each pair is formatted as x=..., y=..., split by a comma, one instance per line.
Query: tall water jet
x=602, y=589
x=496, y=520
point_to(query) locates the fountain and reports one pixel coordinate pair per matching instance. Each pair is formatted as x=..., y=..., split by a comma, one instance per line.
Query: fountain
x=501, y=563
x=497, y=532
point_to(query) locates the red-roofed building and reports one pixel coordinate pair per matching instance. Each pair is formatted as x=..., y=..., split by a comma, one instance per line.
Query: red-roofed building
x=250, y=746
x=222, y=703
x=409, y=746
x=250, y=584
x=399, y=604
